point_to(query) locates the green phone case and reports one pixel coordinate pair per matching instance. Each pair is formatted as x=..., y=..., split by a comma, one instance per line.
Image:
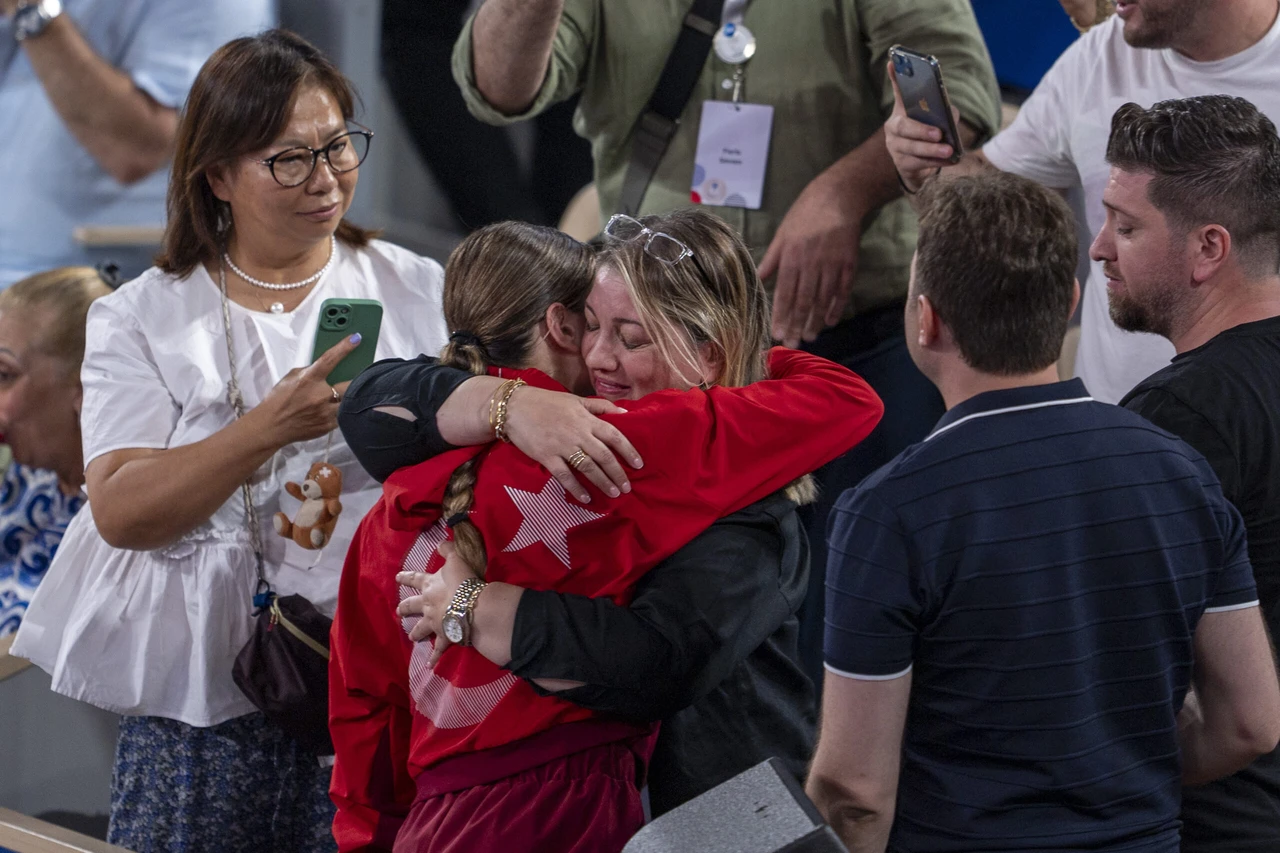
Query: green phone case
x=340, y=318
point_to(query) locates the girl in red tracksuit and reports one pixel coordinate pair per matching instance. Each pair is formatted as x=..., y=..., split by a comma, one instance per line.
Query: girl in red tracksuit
x=471, y=755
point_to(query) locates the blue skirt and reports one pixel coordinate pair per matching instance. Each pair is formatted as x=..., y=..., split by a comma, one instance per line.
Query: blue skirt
x=242, y=786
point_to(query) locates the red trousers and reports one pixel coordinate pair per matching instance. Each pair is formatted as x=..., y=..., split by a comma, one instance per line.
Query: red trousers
x=584, y=802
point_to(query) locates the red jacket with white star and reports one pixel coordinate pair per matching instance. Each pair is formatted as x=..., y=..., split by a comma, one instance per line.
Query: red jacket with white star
x=707, y=454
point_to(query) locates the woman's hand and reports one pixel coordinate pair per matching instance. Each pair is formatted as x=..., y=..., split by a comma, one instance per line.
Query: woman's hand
x=302, y=405
x=1087, y=13
x=551, y=427
x=435, y=591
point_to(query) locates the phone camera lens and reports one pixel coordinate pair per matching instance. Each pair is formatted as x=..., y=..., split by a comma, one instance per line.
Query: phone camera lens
x=331, y=311
x=341, y=321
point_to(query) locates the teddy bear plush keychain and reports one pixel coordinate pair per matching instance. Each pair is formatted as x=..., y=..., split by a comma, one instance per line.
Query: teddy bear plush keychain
x=313, y=523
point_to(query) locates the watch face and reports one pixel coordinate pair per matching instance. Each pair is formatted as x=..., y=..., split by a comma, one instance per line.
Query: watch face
x=452, y=628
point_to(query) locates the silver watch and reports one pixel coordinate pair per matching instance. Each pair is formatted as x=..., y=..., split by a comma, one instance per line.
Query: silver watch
x=456, y=623
x=32, y=19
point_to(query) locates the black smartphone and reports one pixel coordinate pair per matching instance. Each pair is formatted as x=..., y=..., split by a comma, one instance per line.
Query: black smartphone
x=340, y=318
x=925, y=95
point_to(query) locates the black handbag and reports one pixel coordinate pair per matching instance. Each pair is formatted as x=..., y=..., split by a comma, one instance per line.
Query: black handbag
x=284, y=668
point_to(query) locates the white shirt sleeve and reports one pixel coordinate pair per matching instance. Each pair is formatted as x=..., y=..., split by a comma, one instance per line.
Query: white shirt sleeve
x=175, y=37
x=1037, y=145
x=126, y=402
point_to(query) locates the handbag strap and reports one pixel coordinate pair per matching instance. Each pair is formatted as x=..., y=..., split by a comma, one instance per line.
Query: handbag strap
x=661, y=116
x=277, y=616
x=263, y=594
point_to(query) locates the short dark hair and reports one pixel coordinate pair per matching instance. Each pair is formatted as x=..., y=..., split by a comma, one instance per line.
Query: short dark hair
x=240, y=101
x=997, y=258
x=1213, y=159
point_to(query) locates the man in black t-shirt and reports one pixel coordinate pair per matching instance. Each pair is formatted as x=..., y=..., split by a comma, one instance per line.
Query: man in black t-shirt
x=1191, y=251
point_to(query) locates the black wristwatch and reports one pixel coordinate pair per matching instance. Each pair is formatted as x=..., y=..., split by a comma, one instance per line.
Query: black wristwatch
x=32, y=19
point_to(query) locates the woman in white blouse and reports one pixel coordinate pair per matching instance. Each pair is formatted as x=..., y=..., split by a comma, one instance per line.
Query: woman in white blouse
x=149, y=599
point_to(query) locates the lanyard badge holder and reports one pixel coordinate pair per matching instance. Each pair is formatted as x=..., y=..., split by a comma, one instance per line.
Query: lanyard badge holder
x=733, y=137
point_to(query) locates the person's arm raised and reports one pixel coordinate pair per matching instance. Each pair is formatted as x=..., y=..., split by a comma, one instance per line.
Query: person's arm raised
x=511, y=43
x=918, y=151
x=144, y=498
x=124, y=129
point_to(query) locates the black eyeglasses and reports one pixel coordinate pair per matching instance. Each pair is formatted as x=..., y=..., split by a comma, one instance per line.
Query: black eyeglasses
x=295, y=166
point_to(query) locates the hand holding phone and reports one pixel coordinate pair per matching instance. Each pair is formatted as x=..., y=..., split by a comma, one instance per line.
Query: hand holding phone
x=923, y=133
x=341, y=318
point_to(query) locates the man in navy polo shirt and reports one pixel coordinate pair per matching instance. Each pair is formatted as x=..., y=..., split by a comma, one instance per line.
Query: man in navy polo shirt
x=1015, y=603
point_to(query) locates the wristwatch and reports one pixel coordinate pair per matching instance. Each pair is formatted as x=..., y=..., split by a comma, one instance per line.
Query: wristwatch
x=457, y=617
x=32, y=19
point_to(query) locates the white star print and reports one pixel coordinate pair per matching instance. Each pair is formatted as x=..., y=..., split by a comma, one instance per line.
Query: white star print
x=548, y=518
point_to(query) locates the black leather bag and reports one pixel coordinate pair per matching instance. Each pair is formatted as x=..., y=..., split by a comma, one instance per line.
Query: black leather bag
x=284, y=670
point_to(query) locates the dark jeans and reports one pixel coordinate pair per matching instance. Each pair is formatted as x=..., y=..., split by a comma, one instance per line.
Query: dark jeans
x=474, y=163
x=872, y=346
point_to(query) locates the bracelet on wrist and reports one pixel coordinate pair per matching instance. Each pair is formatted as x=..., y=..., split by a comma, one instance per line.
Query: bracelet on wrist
x=500, y=412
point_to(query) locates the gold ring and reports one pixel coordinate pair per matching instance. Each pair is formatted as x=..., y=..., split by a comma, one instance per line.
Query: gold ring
x=337, y=398
x=575, y=461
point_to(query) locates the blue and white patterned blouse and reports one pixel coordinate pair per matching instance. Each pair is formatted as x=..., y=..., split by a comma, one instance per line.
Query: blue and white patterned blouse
x=34, y=513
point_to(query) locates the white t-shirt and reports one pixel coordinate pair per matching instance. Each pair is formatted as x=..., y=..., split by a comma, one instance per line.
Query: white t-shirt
x=1060, y=140
x=155, y=632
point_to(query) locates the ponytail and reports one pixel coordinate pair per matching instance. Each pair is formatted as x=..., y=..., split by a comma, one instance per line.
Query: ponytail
x=465, y=352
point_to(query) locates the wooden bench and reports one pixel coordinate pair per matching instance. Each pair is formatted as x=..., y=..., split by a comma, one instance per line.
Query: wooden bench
x=22, y=834
x=9, y=665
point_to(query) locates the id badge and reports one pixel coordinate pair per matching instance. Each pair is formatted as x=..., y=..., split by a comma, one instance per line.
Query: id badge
x=733, y=152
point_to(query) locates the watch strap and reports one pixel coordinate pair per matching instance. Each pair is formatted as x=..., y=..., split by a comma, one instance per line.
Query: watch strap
x=463, y=604
x=32, y=19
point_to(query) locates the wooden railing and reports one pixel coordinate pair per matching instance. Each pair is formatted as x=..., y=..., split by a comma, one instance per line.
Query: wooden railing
x=9, y=665
x=22, y=834
x=130, y=236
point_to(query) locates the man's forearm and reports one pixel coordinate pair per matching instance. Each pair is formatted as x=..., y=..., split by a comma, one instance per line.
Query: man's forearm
x=862, y=829
x=122, y=128
x=511, y=48
x=869, y=169
x=1213, y=748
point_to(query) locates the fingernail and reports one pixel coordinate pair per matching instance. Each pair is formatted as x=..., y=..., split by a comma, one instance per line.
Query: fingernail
x=355, y=339
x=626, y=487
x=638, y=462
x=613, y=492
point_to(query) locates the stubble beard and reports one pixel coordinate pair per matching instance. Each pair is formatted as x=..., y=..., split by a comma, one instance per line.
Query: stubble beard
x=1154, y=317
x=1163, y=26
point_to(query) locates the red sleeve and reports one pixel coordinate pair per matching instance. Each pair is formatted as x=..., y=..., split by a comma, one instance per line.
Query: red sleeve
x=369, y=715
x=727, y=448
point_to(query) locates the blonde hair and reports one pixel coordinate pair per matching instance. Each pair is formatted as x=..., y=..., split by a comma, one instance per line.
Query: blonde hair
x=714, y=298
x=498, y=285
x=64, y=295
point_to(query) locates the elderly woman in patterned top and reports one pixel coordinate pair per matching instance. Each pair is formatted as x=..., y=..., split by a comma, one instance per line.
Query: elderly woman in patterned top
x=42, y=323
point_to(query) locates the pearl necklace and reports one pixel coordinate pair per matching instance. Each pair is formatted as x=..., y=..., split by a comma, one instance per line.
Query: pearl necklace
x=278, y=307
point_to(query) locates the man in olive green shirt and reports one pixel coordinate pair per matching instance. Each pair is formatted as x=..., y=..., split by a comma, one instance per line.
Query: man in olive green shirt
x=833, y=233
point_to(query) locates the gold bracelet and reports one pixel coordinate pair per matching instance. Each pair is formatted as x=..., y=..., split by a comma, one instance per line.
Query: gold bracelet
x=500, y=421
x=493, y=403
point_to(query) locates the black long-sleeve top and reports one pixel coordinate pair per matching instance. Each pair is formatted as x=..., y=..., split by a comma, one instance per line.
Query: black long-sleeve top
x=708, y=644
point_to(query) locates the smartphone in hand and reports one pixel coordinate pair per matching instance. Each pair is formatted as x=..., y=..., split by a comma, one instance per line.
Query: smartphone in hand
x=924, y=95
x=341, y=318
